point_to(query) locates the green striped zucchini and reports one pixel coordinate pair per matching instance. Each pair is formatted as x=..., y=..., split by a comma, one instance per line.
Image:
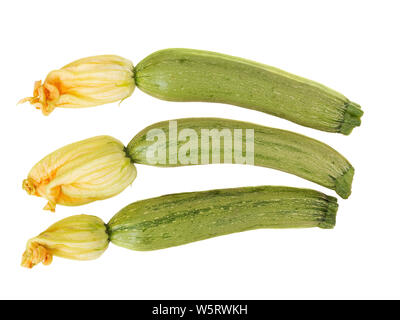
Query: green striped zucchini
x=273, y=148
x=182, y=218
x=196, y=75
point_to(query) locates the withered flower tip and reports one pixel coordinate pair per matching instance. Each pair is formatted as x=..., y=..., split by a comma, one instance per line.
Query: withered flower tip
x=80, y=237
x=85, y=171
x=84, y=83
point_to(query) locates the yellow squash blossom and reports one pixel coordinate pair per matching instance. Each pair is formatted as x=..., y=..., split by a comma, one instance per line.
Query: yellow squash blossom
x=79, y=237
x=85, y=171
x=84, y=83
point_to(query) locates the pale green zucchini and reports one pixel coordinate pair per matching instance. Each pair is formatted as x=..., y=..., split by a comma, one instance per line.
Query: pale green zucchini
x=273, y=148
x=196, y=75
x=181, y=218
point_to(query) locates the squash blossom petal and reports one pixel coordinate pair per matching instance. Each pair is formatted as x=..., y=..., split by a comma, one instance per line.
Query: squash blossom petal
x=80, y=237
x=84, y=83
x=85, y=171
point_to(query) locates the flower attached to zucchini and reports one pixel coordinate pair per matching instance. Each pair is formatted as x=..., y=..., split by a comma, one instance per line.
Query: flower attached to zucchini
x=81, y=237
x=82, y=172
x=84, y=83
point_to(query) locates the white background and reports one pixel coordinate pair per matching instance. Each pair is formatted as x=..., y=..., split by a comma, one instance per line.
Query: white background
x=350, y=46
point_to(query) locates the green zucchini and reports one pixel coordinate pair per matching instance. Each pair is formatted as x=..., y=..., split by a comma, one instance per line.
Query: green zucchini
x=273, y=148
x=181, y=218
x=196, y=75
x=177, y=219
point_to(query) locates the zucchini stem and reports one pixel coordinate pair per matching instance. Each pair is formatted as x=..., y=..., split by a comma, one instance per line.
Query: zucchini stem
x=351, y=118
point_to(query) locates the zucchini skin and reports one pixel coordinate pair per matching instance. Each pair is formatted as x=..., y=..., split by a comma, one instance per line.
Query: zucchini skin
x=273, y=148
x=197, y=75
x=177, y=219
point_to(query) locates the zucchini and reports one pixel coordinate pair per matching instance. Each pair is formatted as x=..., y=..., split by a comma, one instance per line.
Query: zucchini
x=197, y=75
x=178, y=219
x=181, y=218
x=75, y=175
x=273, y=148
